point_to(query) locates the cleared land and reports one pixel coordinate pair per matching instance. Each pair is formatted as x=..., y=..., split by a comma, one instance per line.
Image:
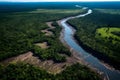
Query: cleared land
x=43, y=45
x=47, y=31
x=47, y=65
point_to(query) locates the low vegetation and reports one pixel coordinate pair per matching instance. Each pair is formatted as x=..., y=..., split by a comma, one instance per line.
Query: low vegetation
x=98, y=33
x=112, y=34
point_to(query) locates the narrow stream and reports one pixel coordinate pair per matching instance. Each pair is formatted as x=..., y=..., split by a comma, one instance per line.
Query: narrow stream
x=68, y=33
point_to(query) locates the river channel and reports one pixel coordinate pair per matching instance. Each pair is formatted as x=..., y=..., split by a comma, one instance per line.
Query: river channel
x=68, y=33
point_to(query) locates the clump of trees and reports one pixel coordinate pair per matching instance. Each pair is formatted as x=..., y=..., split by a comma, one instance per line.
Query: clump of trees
x=23, y=71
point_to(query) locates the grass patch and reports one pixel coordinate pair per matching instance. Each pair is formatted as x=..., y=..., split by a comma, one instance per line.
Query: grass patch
x=108, y=34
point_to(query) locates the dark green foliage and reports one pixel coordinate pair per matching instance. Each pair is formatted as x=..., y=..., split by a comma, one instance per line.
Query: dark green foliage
x=22, y=71
x=18, y=34
x=77, y=72
x=116, y=33
x=86, y=29
x=20, y=31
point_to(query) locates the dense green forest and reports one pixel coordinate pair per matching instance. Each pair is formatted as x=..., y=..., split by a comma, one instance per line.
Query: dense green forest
x=23, y=71
x=20, y=31
x=98, y=33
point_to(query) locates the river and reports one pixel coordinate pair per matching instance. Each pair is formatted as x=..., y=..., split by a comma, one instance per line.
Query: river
x=68, y=32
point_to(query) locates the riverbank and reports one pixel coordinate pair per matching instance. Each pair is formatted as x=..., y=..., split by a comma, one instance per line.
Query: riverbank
x=93, y=62
x=76, y=54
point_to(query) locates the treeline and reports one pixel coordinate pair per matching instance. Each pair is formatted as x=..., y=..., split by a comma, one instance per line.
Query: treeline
x=86, y=32
x=23, y=71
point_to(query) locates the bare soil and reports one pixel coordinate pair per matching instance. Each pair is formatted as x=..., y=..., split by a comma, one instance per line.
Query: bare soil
x=50, y=25
x=48, y=65
x=46, y=31
x=43, y=45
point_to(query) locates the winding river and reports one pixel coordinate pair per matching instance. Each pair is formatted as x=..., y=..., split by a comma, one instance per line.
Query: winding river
x=68, y=32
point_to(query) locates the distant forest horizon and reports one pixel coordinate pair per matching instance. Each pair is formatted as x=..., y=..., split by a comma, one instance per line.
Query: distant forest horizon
x=21, y=6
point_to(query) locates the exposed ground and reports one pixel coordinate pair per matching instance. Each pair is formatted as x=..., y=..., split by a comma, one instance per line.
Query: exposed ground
x=50, y=25
x=43, y=45
x=48, y=65
x=46, y=31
